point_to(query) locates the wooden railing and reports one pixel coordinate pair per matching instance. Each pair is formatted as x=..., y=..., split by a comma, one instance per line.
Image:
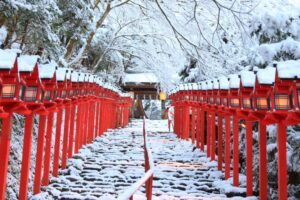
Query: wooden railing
x=147, y=178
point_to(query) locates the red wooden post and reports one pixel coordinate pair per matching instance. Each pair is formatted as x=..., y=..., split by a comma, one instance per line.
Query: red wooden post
x=202, y=130
x=235, y=151
x=213, y=136
x=78, y=128
x=186, y=130
x=25, y=169
x=39, y=155
x=4, y=153
x=208, y=134
x=71, y=135
x=66, y=137
x=198, y=128
x=282, y=162
x=45, y=180
x=249, y=158
x=193, y=124
x=86, y=122
x=263, y=175
x=97, y=120
x=57, y=143
x=227, y=147
x=220, y=142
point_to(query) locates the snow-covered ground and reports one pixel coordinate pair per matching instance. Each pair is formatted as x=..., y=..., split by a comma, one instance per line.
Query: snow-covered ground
x=105, y=168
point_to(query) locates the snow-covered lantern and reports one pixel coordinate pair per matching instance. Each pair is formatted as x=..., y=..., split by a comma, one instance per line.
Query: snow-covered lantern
x=247, y=84
x=210, y=97
x=74, y=91
x=216, y=91
x=203, y=97
x=62, y=85
x=224, y=87
x=48, y=77
x=234, y=85
x=264, y=82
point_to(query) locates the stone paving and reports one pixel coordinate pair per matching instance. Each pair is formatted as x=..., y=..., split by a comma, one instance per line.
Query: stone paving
x=105, y=168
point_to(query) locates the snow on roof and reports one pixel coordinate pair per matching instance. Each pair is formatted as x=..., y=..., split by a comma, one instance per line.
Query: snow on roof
x=8, y=58
x=209, y=85
x=26, y=63
x=46, y=71
x=203, y=85
x=234, y=81
x=60, y=74
x=181, y=87
x=266, y=76
x=288, y=69
x=224, y=83
x=140, y=78
x=248, y=78
x=216, y=84
x=74, y=76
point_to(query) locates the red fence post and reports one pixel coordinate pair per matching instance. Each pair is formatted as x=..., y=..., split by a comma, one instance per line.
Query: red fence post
x=235, y=151
x=208, y=134
x=220, y=142
x=263, y=175
x=78, y=128
x=213, y=136
x=193, y=124
x=198, y=128
x=249, y=158
x=39, y=155
x=71, y=135
x=202, y=130
x=57, y=143
x=26, y=157
x=4, y=153
x=45, y=180
x=282, y=162
x=227, y=147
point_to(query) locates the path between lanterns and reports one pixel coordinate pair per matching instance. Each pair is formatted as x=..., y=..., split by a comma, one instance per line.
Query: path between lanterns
x=114, y=161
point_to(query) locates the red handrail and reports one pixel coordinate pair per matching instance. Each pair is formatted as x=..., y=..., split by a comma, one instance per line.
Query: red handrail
x=147, y=178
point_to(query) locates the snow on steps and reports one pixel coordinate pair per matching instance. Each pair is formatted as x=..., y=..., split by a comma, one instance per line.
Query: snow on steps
x=104, y=169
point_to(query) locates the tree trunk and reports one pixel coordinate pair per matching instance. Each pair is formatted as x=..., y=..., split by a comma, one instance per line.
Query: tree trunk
x=70, y=48
x=11, y=30
x=24, y=34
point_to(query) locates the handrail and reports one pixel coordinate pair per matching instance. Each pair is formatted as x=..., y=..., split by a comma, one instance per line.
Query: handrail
x=147, y=178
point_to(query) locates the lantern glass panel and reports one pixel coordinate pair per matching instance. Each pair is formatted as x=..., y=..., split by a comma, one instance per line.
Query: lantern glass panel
x=235, y=102
x=201, y=99
x=42, y=95
x=262, y=103
x=21, y=91
x=63, y=94
x=8, y=91
x=225, y=101
x=211, y=100
x=71, y=93
x=47, y=95
x=31, y=93
x=247, y=103
x=218, y=100
x=282, y=102
x=298, y=95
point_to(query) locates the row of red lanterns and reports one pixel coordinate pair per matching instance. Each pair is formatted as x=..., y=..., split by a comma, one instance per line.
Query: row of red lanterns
x=89, y=106
x=267, y=96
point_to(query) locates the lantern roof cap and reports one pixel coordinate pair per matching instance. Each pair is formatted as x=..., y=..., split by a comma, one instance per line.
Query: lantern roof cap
x=289, y=69
x=234, y=81
x=266, y=76
x=247, y=78
x=209, y=85
x=75, y=76
x=60, y=73
x=26, y=63
x=203, y=85
x=216, y=84
x=8, y=58
x=46, y=71
x=224, y=83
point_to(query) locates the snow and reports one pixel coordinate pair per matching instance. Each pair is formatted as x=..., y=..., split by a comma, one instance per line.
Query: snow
x=74, y=76
x=248, y=78
x=234, y=81
x=195, y=86
x=288, y=69
x=81, y=77
x=266, y=76
x=203, y=85
x=61, y=74
x=209, y=85
x=216, y=84
x=140, y=78
x=224, y=83
x=8, y=58
x=46, y=71
x=26, y=63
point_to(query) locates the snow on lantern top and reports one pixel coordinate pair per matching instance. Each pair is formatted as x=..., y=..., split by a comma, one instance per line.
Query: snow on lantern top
x=209, y=85
x=46, y=71
x=234, y=81
x=60, y=74
x=289, y=69
x=248, y=79
x=8, y=58
x=216, y=84
x=74, y=77
x=224, y=83
x=203, y=85
x=195, y=86
x=26, y=63
x=266, y=76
